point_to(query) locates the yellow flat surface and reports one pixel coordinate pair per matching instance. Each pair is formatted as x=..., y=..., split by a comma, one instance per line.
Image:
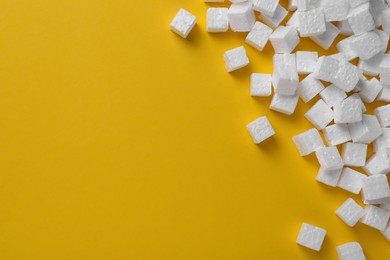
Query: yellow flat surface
x=121, y=140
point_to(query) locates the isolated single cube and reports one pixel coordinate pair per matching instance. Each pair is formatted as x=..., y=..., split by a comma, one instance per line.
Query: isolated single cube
x=309, y=88
x=260, y=129
x=217, y=20
x=284, y=39
x=311, y=236
x=365, y=131
x=375, y=189
x=336, y=134
x=375, y=217
x=311, y=22
x=284, y=104
x=306, y=61
x=347, y=111
x=350, y=251
x=333, y=95
x=350, y=212
x=275, y=20
x=308, y=142
x=258, y=36
x=267, y=7
x=261, y=85
x=241, y=17
x=236, y=59
x=183, y=23
x=383, y=115
x=285, y=76
x=326, y=39
x=354, y=154
x=360, y=19
x=329, y=177
x=320, y=114
x=329, y=158
x=370, y=90
x=351, y=180
x=326, y=69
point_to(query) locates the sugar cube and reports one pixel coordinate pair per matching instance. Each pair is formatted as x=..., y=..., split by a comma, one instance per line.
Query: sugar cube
x=365, y=131
x=370, y=90
x=326, y=69
x=375, y=165
x=285, y=76
x=336, y=134
x=241, y=17
x=284, y=39
x=309, y=88
x=347, y=111
x=383, y=115
x=329, y=177
x=326, y=39
x=306, y=61
x=360, y=19
x=311, y=22
x=333, y=95
x=275, y=20
x=267, y=7
x=308, y=142
x=284, y=104
x=366, y=45
x=375, y=189
x=354, y=154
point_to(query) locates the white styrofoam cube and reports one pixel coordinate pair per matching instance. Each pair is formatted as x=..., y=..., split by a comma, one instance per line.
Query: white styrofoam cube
x=360, y=19
x=336, y=134
x=306, y=61
x=376, y=166
x=347, y=76
x=384, y=95
x=375, y=189
x=183, y=23
x=326, y=39
x=366, y=45
x=309, y=87
x=383, y=141
x=386, y=205
x=386, y=21
x=275, y=20
x=311, y=22
x=383, y=115
x=329, y=177
x=365, y=131
x=354, y=154
x=285, y=76
x=293, y=21
x=261, y=85
x=258, y=36
x=384, y=38
x=333, y=95
x=260, y=129
x=350, y=212
x=326, y=69
x=386, y=232
x=284, y=39
x=241, y=17
x=356, y=96
x=320, y=114
x=236, y=59
x=304, y=5
x=217, y=20
x=267, y=7
x=356, y=3
x=329, y=158
x=370, y=90
x=347, y=111
x=350, y=251
x=384, y=78
x=375, y=217
x=344, y=46
x=351, y=180
x=345, y=28
x=371, y=67
x=284, y=104
x=335, y=10
x=311, y=236
x=308, y=142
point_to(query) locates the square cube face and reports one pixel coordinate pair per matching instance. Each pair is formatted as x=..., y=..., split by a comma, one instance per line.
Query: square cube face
x=236, y=59
x=329, y=177
x=183, y=23
x=284, y=104
x=351, y=180
x=217, y=20
x=320, y=115
x=354, y=154
x=365, y=131
x=335, y=10
x=336, y=134
x=306, y=61
x=383, y=115
x=347, y=76
x=261, y=85
x=370, y=90
x=258, y=36
x=326, y=39
x=309, y=88
x=348, y=111
x=360, y=19
x=350, y=212
x=241, y=17
x=375, y=217
x=311, y=236
x=333, y=95
x=275, y=20
x=375, y=189
x=260, y=129
x=284, y=39
x=326, y=69
x=285, y=77
x=376, y=166
x=350, y=251
x=329, y=158
x=366, y=45
x=267, y=7
x=308, y=142
x=311, y=22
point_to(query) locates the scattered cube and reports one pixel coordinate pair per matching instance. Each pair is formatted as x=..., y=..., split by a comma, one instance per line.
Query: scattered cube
x=241, y=17
x=386, y=21
x=183, y=23
x=275, y=20
x=375, y=189
x=375, y=165
x=335, y=10
x=309, y=88
x=306, y=61
x=370, y=90
x=336, y=134
x=326, y=69
x=329, y=177
x=354, y=154
x=350, y=251
x=384, y=95
x=311, y=22
x=267, y=7
x=329, y=158
x=284, y=39
x=366, y=45
x=347, y=76
x=351, y=180
x=382, y=141
x=350, y=212
x=375, y=217
x=236, y=59
x=311, y=236
x=261, y=85
x=304, y=5
x=320, y=114
x=356, y=96
x=345, y=28
x=217, y=20
x=308, y=142
x=326, y=39
x=285, y=77
x=365, y=131
x=383, y=115
x=260, y=129
x=347, y=111
x=344, y=46
x=360, y=19
x=284, y=104
x=258, y=36
x=333, y=95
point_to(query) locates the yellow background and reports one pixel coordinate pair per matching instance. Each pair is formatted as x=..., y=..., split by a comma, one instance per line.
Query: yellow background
x=121, y=140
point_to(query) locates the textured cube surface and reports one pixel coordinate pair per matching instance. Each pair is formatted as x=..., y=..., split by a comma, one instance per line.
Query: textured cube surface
x=333, y=95
x=347, y=76
x=326, y=39
x=236, y=59
x=309, y=88
x=370, y=90
x=267, y=7
x=275, y=20
x=183, y=23
x=329, y=177
x=217, y=20
x=347, y=111
x=311, y=22
x=360, y=19
x=326, y=69
x=311, y=236
x=260, y=129
x=284, y=39
x=329, y=158
x=376, y=165
x=258, y=36
x=383, y=115
x=354, y=154
x=365, y=131
x=350, y=251
x=261, y=85
x=320, y=114
x=308, y=142
x=336, y=134
x=335, y=10
x=241, y=17
x=350, y=212
x=375, y=217
x=284, y=104
x=306, y=61
x=351, y=180
x=285, y=76
x=375, y=189
x=366, y=45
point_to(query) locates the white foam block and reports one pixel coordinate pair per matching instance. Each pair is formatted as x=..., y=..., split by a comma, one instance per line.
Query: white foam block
x=370, y=90
x=183, y=23
x=329, y=158
x=306, y=61
x=217, y=20
x=345, y=28
x=275, y=20
x=336, y=134
x=267, y=7
x=360, y=19
x=383, y=115
x=309, y=87
x=335, y=10
x=366, y=45
x=354, y=154
x=236, y=59
x=326, y=39
x=356, y=3
x=326, y=69
x=329, y=177
x=241, y=17
x=284, y=39
x=311, y=22
x=311, y=236
x=308, y=142
x=320, y=114
x=258, y=36
x=384, y=95
x=350, y=212
x=375, y=217
x=333, y=95
x=285, y=76
x=345, y=46
x=260, y=129
x=261, y=85
x=351, y=180
x=347, y=111
x=375, y=189
x=347, y=76
x=383, y=141
x=284, y=104
x=386, y=21
x=350, y=251
x=365, y=131
x=375, y=165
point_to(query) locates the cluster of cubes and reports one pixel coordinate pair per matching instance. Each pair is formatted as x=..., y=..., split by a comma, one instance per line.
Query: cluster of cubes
x=337, y=89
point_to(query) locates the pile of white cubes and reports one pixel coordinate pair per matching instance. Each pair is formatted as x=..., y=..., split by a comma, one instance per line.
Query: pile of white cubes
x=342, y=90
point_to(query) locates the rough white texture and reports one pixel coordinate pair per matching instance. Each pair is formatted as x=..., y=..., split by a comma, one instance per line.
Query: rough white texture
x=217, y=20
x=311, y=236
x=356, y=96
x=308, y=142
x=350, y=251
x=371, y=67
x=370, y=90
x=294, y=21
x=347, y=76
x=384, y=95
x=304, y=5
x=383, y=115
x=183, y=23
x=329, y=158
x=345, y=46
x=356, y=3
x=326, y=69
x=375, y=217
x=354, y=154
x=241, y=17
x=285, y=76
x=326, y=39
x=258, y=36
x=375, y=189
x=267, y=7
x=347, y=111
x=236, y=59
x=375, y=165
x=386, y=21
x=284, y=104
x=335, y=10
x=320, y=114
x=329, y=177
x=382, y=141
x=261, y=85
x=360, y=19
x=275, y=20
x=366, y=45
x=351, y=180
x=365, y=131
x=284, y=39
x=336, y=134
x=309, y=88
x=350, y=212
x=333, y=95
x=260, y=129
x=311, y=22
x=306, y=61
